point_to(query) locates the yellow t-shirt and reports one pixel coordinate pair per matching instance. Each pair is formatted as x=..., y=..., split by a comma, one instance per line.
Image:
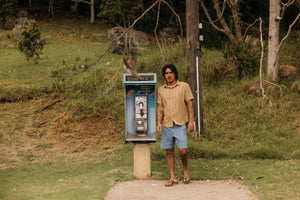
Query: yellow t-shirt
x=173, y=100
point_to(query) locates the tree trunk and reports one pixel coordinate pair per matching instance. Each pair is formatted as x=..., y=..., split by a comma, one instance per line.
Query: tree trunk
x=92, y=3
x=236, y=20
x=142, y=5
x=50, y=11
x=192, y=33
x=273, y=41
x=74, y=8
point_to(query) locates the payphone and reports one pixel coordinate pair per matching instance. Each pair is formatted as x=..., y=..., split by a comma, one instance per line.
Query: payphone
x=140, y=105
x=140, y=119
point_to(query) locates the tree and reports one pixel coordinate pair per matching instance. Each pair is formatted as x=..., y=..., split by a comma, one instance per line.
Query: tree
x=119, y=12
x=6, y=10
x=92, y=8
x=50, y=10
x=192, y=33
x=31, y=43
x=276, y=14
x=273, y=41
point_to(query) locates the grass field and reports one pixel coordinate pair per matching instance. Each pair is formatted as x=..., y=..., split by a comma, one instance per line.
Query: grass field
x=68, y=144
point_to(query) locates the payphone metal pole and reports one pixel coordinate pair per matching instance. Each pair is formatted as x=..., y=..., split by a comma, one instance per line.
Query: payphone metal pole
x=199, y=85
x=198, y=96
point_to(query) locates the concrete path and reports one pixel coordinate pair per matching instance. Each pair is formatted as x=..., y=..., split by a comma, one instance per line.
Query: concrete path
x=195, y=190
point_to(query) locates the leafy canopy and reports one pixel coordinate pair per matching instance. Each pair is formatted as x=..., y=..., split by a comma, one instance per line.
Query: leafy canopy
x=31, y=44
x=119, y=11
x=6, y=9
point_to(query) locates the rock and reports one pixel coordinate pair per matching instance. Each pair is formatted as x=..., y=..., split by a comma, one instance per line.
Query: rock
x=253, y=89
x=22, y=13
x=287, y=72
x=296, y=86
x=169, y=34
x=128, y=41
x=138, y=38
x=111, y=33
x=19, y=23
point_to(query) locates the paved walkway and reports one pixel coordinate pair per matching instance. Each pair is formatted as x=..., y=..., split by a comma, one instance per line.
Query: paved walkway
x=196, y=190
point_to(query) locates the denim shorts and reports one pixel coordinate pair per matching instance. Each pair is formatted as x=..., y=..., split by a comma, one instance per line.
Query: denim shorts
x=173, y=135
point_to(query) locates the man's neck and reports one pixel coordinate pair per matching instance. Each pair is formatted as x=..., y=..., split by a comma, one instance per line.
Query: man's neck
x=172, y=84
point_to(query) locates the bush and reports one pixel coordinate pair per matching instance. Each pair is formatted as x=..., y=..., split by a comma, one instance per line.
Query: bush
x=6, y=12
x=219, y=71
x=244, y=58
x=31, y=43
x=119, y=12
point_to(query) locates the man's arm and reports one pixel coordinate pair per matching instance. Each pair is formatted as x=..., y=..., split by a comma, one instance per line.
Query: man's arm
x=160, y=114
x=191, y=113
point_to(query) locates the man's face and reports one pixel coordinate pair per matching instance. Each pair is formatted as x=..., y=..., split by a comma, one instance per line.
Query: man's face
x=170, y=76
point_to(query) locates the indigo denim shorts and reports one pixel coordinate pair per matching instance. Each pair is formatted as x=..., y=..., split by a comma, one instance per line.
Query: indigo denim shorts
x=173, y=135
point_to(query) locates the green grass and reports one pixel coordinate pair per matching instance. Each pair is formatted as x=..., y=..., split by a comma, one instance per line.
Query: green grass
x=89, y=177
x=65, y=178
x=64, y=46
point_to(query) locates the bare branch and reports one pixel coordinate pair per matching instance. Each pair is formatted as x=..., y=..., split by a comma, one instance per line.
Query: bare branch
x=87, y=67
x=157, y=19
x=135, y=21
x=245, y=33
x=223, y=10
x=260, y=66
x=261, y=57
x=178, y=18
x=286, y=36
x=284, y=7
x=273, y=84
x=78, y=1
x=209, y=18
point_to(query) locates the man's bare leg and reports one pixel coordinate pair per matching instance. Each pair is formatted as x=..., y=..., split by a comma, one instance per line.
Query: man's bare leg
x=171, y=165
x=184, y=159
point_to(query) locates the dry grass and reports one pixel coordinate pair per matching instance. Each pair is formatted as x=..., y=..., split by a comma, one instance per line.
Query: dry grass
x=35, y=131
x=77, y=134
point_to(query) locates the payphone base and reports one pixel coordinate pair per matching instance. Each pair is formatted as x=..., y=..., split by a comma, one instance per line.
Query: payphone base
x=145, y=138
x=142, y=162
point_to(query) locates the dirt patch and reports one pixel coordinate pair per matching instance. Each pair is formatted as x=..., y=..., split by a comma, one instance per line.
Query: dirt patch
x=35, y=131
x=196, y=190
x=75, y=134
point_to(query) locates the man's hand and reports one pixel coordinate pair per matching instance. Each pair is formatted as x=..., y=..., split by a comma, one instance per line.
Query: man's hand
x=191, y=126
x=158, y=128
x=160, y=114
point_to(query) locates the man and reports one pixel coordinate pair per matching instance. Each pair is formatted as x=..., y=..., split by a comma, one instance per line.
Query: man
x=175, y=110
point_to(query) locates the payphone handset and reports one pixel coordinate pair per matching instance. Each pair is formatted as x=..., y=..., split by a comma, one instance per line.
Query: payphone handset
x=141, y=113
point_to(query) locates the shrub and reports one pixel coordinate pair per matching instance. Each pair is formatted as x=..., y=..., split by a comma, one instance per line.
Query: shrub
x=6, y=11
x=31, y=43
x=119, y=12
x=244, y=58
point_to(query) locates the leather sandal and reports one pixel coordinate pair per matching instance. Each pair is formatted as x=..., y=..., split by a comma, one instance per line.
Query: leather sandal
x=186, y=179
x=171, y=182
